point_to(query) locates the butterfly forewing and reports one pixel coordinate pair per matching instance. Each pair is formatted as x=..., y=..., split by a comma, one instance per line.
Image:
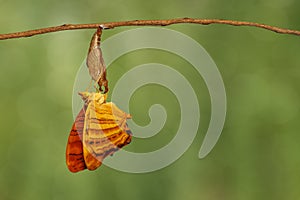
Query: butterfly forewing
x=103, y=134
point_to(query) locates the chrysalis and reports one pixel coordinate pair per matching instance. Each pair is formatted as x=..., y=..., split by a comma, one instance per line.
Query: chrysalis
x=95, y=62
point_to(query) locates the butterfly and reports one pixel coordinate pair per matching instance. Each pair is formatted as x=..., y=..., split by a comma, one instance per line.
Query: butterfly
x=99, y=130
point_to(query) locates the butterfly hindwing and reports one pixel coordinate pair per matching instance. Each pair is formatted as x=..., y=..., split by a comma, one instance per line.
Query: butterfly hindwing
x=74, y=152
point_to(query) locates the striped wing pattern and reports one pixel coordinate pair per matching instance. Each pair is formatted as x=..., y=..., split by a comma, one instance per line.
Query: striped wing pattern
x=105, y=132
x=74, y=153
x=98, y=131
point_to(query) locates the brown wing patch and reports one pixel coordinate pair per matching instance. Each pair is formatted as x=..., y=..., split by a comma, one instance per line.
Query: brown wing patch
x=74, y=152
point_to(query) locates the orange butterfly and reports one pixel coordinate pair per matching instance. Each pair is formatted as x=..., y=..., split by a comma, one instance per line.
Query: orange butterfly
x=100, y=129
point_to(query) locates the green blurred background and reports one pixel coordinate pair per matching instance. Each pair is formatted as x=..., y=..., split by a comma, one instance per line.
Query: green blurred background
x=257, y=156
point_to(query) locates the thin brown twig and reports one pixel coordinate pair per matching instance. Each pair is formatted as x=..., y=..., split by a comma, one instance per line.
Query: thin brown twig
x=167, y=22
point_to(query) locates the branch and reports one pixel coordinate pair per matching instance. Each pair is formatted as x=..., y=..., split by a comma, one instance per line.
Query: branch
x=111, y=25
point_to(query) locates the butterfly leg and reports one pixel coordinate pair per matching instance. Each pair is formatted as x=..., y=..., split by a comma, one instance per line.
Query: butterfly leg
x=89, y=86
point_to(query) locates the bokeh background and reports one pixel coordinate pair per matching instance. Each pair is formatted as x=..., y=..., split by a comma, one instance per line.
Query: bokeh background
x=257, y=156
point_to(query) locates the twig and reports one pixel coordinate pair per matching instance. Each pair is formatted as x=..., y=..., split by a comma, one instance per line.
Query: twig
x=111, y=25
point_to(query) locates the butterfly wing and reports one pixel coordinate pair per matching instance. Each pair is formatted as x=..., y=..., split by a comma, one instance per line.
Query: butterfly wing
x=118, y=132
x=105, y=132
x=74, y=152
x=90, y=158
